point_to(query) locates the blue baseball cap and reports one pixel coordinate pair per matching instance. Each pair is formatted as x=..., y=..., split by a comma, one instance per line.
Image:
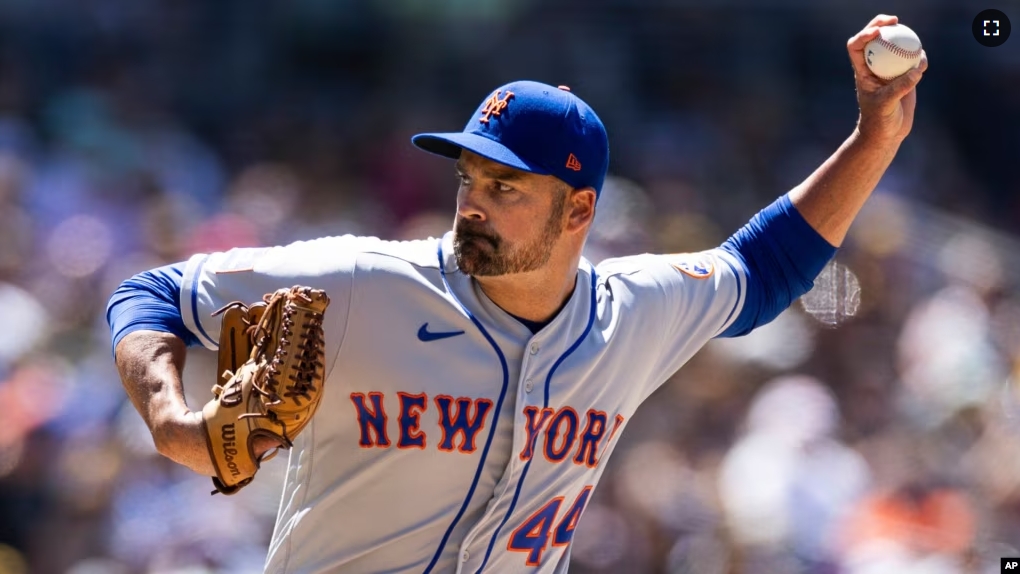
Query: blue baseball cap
x=536, y=128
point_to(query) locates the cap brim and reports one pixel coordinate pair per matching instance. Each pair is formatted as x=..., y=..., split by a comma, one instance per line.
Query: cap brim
x=450, y=145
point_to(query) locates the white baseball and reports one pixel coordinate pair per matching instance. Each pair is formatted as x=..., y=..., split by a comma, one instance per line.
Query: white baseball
x=895, y=52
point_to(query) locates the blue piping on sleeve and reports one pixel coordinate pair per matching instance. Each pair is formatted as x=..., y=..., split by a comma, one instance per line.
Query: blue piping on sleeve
x=194, y=301
x=743, y=270
x=149, y=301
x=781, y=254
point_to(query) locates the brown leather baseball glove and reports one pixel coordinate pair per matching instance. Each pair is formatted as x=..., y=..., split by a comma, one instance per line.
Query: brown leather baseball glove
x=271, y=357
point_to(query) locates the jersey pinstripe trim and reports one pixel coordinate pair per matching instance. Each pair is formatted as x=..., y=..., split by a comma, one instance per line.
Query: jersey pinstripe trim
x=545, y=404
x=495, y=423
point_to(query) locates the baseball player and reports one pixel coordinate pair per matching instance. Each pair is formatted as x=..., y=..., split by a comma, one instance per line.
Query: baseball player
x=476, y=384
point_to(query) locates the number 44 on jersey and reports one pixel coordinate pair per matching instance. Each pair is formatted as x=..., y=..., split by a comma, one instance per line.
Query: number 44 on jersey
x=534, y=534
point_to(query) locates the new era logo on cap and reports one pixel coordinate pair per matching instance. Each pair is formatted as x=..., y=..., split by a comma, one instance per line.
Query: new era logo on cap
x=532, y=127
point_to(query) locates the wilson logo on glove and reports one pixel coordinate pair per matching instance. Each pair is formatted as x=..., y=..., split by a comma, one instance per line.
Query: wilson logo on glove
x=271, y=356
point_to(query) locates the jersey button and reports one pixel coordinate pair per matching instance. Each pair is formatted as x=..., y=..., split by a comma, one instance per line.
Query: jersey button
x=528, y=385
x=534, y=348
x=464, y=556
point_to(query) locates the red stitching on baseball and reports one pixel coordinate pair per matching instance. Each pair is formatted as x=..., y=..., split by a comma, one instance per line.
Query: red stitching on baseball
x=897, y=50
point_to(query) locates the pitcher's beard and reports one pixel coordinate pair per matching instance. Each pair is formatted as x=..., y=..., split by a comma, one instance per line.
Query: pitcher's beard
x=487, y=256
x=483, y=254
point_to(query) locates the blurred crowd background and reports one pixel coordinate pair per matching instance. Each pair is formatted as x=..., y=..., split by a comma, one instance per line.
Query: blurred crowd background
x=873, y=428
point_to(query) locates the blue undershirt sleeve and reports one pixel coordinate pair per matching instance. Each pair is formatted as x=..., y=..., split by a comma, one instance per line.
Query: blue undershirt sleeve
x=781, y=254
x=149, y=301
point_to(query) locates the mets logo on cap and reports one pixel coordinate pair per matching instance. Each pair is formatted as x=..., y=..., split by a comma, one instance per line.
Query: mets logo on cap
x=697, y=265
x=495, y=105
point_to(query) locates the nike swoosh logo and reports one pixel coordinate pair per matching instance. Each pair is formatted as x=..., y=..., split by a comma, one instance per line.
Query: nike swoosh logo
x=425, y=335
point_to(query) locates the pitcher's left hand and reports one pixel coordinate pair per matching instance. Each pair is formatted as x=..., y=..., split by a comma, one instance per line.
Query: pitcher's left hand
x=887, y=106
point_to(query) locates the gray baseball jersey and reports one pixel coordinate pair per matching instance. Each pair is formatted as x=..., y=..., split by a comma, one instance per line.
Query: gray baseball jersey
x=450, y=438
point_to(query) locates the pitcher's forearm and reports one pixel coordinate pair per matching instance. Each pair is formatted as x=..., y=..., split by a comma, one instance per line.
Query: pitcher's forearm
x=150, y=365
x=831, y=197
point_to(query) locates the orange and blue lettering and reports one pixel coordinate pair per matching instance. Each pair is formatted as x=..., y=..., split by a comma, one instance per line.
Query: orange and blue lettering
x=590, y=438
x=616, y=427
x=411, y=407
x=463, y=423
x=552, y=433
x=532, y=536
x=370, y=420
x=534, y=425
x=565, y=531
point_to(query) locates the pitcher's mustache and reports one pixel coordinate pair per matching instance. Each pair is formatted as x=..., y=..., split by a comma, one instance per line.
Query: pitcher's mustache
x=467, y=231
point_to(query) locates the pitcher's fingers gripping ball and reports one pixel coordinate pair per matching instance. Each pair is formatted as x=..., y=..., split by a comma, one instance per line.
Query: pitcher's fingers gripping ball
x=894, y=52
x=271, y=356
